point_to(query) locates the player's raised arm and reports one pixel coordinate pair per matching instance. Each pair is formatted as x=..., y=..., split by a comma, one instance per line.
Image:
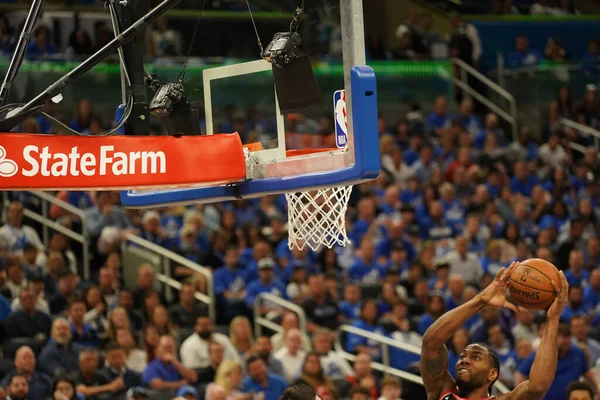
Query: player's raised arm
x=544, y=365
x=434, y=355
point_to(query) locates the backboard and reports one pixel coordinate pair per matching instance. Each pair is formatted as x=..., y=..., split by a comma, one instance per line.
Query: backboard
x=275, y=166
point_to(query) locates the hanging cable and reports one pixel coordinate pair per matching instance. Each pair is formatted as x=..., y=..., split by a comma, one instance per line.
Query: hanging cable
x=182, y=73
x=262, y=50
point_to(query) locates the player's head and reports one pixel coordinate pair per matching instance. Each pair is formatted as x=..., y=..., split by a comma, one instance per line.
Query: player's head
x=299, y=392
x=579, y=391
x=477, y=366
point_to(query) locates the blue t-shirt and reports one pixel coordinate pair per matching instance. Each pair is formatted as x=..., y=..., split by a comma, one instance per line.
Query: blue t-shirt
x=581, y=279
x=524, y=188
x=5, y=308
x=275, y=288
x=353, y=341
x=569, y=369
x=273, y=391
x=591, y=298
x=227, y=280
x=349, y=310
x=158, y=369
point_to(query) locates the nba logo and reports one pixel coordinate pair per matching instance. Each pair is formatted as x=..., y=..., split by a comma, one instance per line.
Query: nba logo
x=341, y=122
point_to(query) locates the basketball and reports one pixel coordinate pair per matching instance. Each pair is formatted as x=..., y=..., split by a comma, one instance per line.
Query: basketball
x=530, y=285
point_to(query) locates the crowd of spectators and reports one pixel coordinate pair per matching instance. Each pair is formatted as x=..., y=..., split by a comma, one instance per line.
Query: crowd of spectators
x=457, y=200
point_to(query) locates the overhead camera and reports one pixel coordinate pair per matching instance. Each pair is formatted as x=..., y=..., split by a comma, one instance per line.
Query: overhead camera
x=284, y=48
x=167, y=98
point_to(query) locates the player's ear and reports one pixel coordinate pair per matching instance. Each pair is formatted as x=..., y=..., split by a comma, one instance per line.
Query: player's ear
x=493, y=374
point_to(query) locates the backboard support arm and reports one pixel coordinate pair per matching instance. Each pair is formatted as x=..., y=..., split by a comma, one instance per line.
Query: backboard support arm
x=14, y=117
x=35, y=11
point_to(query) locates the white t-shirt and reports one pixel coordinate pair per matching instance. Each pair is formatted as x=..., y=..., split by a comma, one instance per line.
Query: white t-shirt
x=292, y=364
x=335, y=367
x=194, y=351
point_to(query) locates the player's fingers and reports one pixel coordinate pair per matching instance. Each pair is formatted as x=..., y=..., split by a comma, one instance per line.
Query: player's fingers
x=564, y=284
x=499, y=274
x=511, y=306
x=555, y=287
x=511, y=267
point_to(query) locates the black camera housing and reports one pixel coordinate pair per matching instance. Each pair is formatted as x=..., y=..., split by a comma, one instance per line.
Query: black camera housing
x=284, y=48
x=168, y=96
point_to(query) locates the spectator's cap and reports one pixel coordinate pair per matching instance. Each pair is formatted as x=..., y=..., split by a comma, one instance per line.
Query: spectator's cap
x=187, y=390
x=591, y=87
x=137, y=392
x=265, y=263
x=442, y=263
x=187, y=229
x=148, y=215
x=398, y=245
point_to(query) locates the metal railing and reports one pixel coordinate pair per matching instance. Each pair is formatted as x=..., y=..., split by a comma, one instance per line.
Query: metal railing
x=47, y=223
x=385, y=343
x=584, y=129
x=260, y=321
x=509, y=115
x=165, y=276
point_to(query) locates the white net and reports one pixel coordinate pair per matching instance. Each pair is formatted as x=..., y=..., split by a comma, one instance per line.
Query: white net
x=318, y=218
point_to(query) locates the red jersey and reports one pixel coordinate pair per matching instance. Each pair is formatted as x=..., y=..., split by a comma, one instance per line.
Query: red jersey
x=451, y=395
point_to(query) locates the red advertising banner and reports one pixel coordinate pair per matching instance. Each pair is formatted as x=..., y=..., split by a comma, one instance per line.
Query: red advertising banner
x=46, y=162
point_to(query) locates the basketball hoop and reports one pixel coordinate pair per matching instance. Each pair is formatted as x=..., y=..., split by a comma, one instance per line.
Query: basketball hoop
x=318, y=218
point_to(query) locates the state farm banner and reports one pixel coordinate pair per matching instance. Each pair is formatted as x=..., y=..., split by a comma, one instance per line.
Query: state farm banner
x=118, y=162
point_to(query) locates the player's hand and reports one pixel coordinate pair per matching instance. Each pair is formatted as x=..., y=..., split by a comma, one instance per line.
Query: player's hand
x=562, y=297
x=493, y=295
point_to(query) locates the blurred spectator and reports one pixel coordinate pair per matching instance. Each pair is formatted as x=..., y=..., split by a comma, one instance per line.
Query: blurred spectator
x=166, y=372
x=391, y=389
x=240, y=333
x=291, y=355
x=363, y=376
x=465, y=43
x=135, y=358
x=91, y=382
x=195, y=349
x=572, y=365
x=81, y=332
x=40, y=384
x=17, y=388
x=229, y=378
x=28, y=322
x=320, y=309
x=334, y=366
x=40, y=47
x=580, y=329
x=523, y=56
x=60, y=355
x=163, y=41
x=80, y=45
x=260, y=382
x=14, y=236
x=555, y=52
x=311, y=374
x=216, y=353
x=579, y=391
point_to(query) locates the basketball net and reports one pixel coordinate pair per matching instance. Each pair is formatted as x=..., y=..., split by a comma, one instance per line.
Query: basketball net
x=318, y=218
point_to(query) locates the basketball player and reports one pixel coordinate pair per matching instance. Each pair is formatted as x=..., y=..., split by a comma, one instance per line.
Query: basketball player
x=478, y=366
x=299, y=391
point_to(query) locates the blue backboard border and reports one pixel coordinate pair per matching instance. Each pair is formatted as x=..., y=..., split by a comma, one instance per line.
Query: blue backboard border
x=366, y=166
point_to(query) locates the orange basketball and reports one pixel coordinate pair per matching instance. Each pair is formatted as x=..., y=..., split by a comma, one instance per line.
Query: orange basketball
x=530, y=285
